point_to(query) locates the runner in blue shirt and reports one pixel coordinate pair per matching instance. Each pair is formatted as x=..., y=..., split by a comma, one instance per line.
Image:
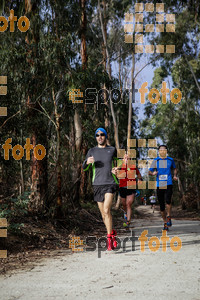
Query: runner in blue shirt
x=162, y=167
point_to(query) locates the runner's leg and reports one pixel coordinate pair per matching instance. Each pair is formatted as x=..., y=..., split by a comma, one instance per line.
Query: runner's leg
x=123, y=201
x=129, y=202
x=101, y=205
x=163, y=214
x=107, y=214
x=169, y=209
x=169, y=204
x=169, y=193
x=161, y=199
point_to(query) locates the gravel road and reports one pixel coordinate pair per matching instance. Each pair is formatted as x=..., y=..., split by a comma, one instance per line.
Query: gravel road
x=128, y=274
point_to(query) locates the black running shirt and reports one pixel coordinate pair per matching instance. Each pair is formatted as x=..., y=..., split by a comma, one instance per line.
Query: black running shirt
x=101, y=168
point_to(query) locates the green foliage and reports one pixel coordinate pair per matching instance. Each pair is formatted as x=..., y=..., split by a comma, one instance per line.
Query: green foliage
x=15, y=207
x=14, y=210
x=46, y=60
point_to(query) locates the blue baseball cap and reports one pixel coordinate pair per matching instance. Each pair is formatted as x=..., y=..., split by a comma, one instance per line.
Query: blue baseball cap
x=103, y=130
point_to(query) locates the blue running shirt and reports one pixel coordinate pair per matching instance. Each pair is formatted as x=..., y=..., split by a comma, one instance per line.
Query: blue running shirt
x=164, y=167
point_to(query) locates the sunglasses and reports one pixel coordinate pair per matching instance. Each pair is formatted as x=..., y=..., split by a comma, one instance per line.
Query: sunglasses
x=101, y=134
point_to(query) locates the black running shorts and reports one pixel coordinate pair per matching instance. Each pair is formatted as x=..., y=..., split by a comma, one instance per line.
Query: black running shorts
x=164, y=195
x=101, y=190
x=123, y=192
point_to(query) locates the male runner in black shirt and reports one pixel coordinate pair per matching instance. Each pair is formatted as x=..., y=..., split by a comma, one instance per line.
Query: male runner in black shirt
x=104, y=182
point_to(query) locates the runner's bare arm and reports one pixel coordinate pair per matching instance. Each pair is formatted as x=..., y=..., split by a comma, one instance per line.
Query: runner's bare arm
x=175, y=174
x=152, y=168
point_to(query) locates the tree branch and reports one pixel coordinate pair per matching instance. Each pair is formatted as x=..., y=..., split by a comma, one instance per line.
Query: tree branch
x=192, y=71
x=10, y=118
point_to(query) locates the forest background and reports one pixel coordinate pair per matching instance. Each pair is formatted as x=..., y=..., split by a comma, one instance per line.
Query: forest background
x=79, y=45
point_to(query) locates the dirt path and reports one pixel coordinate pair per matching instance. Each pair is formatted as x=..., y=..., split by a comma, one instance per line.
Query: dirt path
x=128, y=274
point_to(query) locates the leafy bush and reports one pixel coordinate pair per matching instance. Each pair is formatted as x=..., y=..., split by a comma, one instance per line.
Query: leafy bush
x=13, y=210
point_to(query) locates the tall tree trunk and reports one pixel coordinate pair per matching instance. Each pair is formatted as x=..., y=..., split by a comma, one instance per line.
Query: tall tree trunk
x=84, y=57
x=131, y=97
x=78, y=130
x=78, y=127
x=21, y=170
x=181, y=188
x=58, y=159
x=104, y=33
x=35, y=205
x=39, y=179
x=120, y=78
x=78, y=172
x=20, y=162
x=106, y=103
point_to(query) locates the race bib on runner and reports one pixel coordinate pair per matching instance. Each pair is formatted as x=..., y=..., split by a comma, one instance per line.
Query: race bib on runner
x=163, y=177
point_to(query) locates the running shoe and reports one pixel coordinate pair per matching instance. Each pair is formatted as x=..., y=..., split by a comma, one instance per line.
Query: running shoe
x=169, y=221
x=125, y=216
x=109, y=242
x=165, y=227
x=126, y=224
